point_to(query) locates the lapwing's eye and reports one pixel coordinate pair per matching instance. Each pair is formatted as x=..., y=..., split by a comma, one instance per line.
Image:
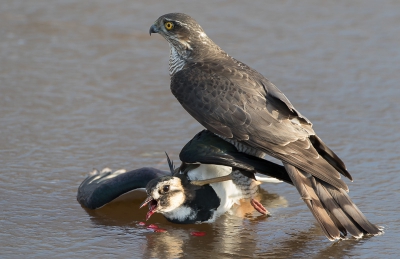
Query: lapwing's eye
x=169, y=26
x=166, y=188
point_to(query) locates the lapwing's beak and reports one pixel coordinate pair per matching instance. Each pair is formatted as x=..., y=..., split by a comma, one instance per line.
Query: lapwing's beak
x=152, y=206
x=146, y=201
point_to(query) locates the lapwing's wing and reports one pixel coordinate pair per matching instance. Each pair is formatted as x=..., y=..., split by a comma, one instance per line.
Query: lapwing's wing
x=101, y=188
x=207, y=148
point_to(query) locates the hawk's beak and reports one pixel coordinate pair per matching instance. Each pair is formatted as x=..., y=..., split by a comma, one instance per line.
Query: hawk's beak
x=153, y=29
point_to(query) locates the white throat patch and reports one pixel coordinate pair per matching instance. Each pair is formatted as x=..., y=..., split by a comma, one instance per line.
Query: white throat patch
x=181, y=213
x=176, y=62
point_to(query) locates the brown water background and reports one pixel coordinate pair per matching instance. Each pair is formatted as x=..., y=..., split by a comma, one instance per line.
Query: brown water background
x=83, y=85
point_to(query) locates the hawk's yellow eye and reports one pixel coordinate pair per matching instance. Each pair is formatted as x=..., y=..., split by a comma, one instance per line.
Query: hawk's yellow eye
x=169, y=26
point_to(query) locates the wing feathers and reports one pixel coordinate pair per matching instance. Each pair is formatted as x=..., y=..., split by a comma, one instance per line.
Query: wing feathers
x=101, y=188
x=329, y=155
x=295, y=154
x=251, y=109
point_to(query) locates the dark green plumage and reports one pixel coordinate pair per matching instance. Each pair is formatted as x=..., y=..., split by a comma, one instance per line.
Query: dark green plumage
x=207, y=148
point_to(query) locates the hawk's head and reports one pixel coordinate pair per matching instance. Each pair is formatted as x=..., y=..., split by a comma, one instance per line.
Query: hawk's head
x=183, y=33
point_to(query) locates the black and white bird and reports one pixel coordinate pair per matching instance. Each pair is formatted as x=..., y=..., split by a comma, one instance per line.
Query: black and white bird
x=241, y=106
x=211, y=179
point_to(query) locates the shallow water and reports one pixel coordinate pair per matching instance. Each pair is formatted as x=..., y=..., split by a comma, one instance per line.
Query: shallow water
x=83, y=85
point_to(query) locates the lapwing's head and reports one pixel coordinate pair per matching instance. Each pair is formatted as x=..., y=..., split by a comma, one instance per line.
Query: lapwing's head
x=164, y=195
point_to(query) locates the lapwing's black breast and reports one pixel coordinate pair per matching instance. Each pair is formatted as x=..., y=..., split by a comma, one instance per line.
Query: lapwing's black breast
x=203, y=202
x=207, y=202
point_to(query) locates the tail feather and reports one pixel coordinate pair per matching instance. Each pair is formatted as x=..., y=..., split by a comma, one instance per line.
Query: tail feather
x=304, y=187
x=343, y=199
x=342, y=229
x=332, y=207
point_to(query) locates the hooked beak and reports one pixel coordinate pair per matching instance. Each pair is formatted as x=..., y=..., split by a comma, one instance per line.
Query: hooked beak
x=153, y=29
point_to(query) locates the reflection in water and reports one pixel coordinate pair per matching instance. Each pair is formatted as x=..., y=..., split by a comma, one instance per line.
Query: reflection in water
x=223, y=236
x=340, y=249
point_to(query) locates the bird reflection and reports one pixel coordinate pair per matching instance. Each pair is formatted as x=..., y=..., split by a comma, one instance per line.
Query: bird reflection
x=224, y=235
x=125, y=209
x=241, y=232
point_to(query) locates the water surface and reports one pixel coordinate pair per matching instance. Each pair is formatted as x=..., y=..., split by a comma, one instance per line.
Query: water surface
x=83, y=85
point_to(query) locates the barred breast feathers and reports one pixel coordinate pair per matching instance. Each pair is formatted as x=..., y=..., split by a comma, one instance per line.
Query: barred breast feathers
x=176, y=61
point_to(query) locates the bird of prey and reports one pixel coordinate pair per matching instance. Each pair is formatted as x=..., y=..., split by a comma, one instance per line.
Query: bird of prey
x=213, y=176
x=241, y=106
